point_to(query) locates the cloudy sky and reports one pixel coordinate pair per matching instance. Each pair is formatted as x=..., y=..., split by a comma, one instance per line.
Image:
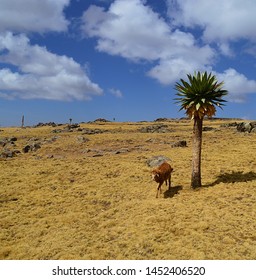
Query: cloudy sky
x=84, y=59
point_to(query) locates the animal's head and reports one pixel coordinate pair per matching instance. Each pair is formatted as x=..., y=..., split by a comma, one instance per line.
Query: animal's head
x=155, y=175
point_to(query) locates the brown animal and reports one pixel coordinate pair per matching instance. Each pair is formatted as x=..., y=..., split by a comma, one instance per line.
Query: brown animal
x=162, y=173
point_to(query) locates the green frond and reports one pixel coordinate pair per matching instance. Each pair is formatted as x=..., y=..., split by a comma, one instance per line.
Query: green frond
x=200, y=94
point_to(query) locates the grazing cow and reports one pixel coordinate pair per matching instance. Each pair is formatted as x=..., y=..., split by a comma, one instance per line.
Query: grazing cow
x=162, y=173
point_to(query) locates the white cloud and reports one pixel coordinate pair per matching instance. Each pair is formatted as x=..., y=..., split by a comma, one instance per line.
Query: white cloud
x=131, y=29
x=220, y=20
x=31, y=71
x=116, y=92
x=134, y=31
x=237, y=84
x=225, y=49
x=33, y=16
x=40, y=74
x=171, y=69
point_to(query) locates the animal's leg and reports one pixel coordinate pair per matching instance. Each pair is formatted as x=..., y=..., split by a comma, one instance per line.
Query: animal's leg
x=169, y=180
x=158, y=189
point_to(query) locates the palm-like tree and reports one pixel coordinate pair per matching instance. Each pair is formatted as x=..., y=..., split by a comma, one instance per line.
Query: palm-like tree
x=198, y=97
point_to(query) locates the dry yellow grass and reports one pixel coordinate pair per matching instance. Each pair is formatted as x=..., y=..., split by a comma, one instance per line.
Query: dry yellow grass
x=63, y=202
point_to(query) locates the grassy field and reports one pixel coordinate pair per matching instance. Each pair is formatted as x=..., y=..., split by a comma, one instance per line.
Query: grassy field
x=93, y=198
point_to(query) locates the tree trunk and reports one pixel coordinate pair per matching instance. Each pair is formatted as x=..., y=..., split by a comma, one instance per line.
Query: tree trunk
x=196, y=153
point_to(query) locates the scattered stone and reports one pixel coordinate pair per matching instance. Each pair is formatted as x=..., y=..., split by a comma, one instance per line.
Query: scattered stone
x=26, y=149
x=161, y=120
x=233, y=124
x=82, y=139
x=246, y=126
x=31, y=147
x=13, y=139
x=156, y=128
x=8, y=153
x=93, y=131
x=51, y=140
x=50, y=156
x=208, y=128
x=72, y=126
x=57, y=131
x=156, y=160
x=33, y=139
x=40, y=124
x=182, y=143
x=35, y=146
x=5, y=141
x=241, y=127
x=121, y=151
x=94, y=152
x=98, y=155
x=99, y=120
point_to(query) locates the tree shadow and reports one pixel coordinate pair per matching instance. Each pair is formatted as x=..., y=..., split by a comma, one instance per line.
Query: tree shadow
x=234, y=177
x=172, y=191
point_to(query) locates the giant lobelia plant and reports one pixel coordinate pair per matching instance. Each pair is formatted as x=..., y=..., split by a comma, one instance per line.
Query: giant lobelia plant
x=199, y=97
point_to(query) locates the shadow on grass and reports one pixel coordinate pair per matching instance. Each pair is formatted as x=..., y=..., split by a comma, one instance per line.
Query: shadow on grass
x=172, y=191
x=234, y=177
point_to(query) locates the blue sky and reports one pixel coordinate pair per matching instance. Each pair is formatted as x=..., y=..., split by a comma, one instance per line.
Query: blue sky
x=84, y=59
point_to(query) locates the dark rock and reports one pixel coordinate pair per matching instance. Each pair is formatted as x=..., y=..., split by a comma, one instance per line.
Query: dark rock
x=121, y=151
x=33, y=139
x=13, y=139
x=208, y=128
x=98, y=155
x=241, y=127
x=94, y=152
x=3, y=142
x=26, y=149
x=161, y=120
x=99, y=120
x=36, y=146
x=49, y=156
x=253, y=124
x=40, y=124
x=182, y=143
x=233, y=124
x=31, y=147
x=244, y=127
x=72, y=126
x=8, y=153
